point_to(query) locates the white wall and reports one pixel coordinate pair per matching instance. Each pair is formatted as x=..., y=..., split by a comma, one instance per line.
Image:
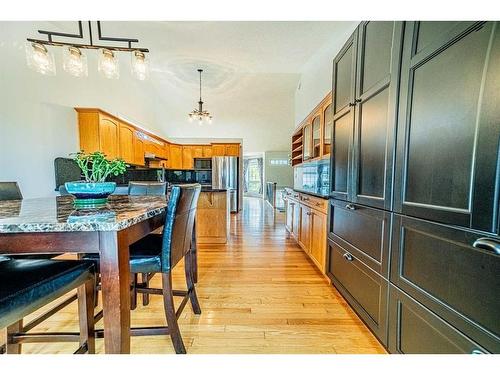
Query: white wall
x=38, y=123
x=281, y=174
x=316, y=78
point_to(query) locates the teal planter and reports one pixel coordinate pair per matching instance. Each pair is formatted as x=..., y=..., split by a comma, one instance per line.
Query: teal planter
x=90, y=194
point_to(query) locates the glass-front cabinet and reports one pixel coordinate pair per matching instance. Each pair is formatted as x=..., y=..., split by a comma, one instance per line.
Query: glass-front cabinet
x=327, y=128
x=307, y=136
x=316, y=132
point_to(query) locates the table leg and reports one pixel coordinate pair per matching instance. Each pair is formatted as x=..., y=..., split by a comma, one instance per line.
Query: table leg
x=115, y=283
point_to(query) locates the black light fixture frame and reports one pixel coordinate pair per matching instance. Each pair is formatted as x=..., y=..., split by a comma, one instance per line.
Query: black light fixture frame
x=91, y=45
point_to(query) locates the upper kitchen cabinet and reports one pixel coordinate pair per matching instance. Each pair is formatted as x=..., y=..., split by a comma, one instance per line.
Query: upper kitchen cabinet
x=306, y=142
x=449, y=129
x=225, y=149
x=218, y=149
x=207, y=151
x=126, y=143
x=377, y=79
x=175, y=159
x=187, y=157
x=316, y=135
x=365, y=84
x=139, y=150
x=197, y=151
x=327, y=128
x=98, y=132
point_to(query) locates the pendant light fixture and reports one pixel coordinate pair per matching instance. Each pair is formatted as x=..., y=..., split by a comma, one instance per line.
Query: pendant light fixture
x=108, y=65
x=75, y=62
x=40, y=59
x=140, y=65
x=199, y=113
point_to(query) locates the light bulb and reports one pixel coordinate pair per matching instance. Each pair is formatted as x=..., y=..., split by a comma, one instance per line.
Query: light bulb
x=140, y=65
x=40, y=59
x=75, y=62
x=108, y=64
x=190, y=117
x=210, y=120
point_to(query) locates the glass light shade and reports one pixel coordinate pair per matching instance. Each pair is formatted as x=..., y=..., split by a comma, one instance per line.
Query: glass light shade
x=140, y=65
x=107, y=64
x=190, y=117
x=75, y=62
x=40, y=59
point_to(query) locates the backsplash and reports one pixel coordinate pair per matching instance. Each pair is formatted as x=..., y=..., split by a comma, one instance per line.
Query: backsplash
x=313, y=177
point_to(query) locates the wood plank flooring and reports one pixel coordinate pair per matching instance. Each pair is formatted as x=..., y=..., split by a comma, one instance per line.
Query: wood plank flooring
x=258, y=294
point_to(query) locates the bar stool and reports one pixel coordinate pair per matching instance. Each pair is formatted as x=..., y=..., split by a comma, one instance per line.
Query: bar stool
x=28, y=284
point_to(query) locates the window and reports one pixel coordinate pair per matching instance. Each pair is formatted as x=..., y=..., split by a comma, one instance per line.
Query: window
x=279, y=162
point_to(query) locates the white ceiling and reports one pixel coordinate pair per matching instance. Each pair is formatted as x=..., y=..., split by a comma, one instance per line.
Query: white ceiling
x=251, y=71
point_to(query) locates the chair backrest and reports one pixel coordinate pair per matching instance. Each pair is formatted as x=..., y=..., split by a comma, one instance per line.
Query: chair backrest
x=179, y=223
x=10, y=191
x=147, y=188
x=63, y=191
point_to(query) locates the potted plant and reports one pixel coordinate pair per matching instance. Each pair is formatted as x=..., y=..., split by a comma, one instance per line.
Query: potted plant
x=94, y=190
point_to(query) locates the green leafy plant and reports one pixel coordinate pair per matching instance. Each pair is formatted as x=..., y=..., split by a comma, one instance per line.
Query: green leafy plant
x=95, y=167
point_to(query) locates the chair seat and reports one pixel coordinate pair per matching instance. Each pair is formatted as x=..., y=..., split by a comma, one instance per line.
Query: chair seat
x=28, y=284
x=145, y=255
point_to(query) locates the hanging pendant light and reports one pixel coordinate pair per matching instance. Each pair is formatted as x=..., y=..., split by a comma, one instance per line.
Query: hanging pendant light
x=199, y=113
x=75, y=62
x=108, y=65
x=140, y=65
x=40, y=59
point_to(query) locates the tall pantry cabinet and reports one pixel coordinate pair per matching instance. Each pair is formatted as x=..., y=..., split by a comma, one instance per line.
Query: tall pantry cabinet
x=413, y=219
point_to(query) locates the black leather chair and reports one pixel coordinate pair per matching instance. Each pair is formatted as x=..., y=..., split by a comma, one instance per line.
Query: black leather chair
x=10, y=191
x=159, y=253
x=28, y=284
x=147, y=188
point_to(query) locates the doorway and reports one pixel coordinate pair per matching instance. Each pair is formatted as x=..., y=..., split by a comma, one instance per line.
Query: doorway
x=253, y=177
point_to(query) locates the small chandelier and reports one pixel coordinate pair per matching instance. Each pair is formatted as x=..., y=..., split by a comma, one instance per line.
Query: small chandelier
x=199, y=113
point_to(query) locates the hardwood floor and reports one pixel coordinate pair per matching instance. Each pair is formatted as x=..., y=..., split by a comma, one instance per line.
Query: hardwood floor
x=258, y=294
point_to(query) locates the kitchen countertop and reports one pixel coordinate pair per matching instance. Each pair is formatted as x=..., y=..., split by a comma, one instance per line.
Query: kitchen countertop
x=211, y=190
x=309, y=193
x=57, y=214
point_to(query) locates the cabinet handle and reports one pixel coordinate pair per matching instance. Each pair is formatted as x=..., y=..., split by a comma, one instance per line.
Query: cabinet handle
x=350, y=206
x=305, y=199
x=487, y=244
x=348, y=257
x=477, y=351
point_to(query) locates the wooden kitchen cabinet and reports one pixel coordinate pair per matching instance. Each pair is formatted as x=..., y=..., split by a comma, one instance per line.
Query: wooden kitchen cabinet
x=305, y=228
x=225, y=149
x=187, y=157
x=175, y=161
x=197, y=151
x=218, y=149
x=108, y=136
x=98, y=132
x=126, y=143
x=212, y=217
x=318, y=239
x=207, y=151
x=232, y=149
x=138, y=150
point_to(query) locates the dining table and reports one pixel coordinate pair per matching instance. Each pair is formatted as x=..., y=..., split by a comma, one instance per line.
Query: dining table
x=53, y=225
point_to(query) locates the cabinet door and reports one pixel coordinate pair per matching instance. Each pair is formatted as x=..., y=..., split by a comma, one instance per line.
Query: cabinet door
x=413, y=329
x=316, y=136
x=296, y=220
x=439, y=266
x=138, y=150
x=175, y=157
x=218, y=150
x=344, y=68
x=207, y=151
x=126, y=142
x=232, y=150
x=318, y=238
x=341, y=155
x=327, y=128
x=289, y=215
x=378, y=62
x=307, y=142
x=449, y=130
x=197, y=151
x=108, y=136
x=187, y=157
x=305, y=228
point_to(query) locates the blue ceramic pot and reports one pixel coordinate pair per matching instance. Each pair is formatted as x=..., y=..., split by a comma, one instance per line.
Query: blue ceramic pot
x=90, y=194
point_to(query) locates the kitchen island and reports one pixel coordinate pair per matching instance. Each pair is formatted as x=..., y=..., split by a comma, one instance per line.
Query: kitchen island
x=212, y=216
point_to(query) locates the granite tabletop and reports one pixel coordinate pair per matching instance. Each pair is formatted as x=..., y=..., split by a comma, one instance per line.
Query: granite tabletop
x=58, y=214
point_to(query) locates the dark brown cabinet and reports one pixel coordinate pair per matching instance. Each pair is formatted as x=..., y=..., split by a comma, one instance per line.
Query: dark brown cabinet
x=365, y=290
x=449, y=129
x=451, y=273
x=414, y=329
x=365, y=114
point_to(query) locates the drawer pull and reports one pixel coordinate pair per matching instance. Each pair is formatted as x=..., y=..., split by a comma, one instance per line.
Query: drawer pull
x=348, y=257
x=305, y=199
x=487, y=244
x=477, y=351
x=350, y=206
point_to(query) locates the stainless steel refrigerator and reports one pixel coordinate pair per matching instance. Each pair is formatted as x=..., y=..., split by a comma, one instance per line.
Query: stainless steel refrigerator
x=225, y=176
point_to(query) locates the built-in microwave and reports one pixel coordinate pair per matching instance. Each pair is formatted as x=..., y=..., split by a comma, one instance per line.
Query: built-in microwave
x=203, y=164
